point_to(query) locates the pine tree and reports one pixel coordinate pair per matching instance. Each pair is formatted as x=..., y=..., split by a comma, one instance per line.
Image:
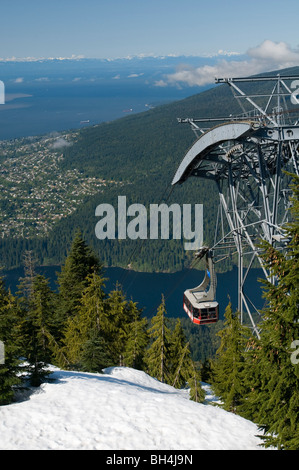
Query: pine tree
x=227, y=369
x=9, y=336
x=180, y=356
x=26, y=282
x=91, y=316
x=183, y=370
x=158, y=359
x=119, y=318
x=37, y=329
x=137, y=338
x=197, y=393
x=72, y=279
x=206, y=370
x=95, y=354
x=273, y=401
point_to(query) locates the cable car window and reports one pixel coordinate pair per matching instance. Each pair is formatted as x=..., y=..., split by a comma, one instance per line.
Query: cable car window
x=196, y=312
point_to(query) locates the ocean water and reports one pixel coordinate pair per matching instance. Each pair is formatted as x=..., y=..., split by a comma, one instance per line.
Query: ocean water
x=54, y=95
x=37, y=105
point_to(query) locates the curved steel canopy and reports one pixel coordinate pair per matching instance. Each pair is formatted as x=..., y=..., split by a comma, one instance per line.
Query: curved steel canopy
x=207, y=142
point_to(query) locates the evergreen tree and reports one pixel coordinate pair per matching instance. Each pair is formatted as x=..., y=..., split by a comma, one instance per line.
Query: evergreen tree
x=273, y=401
x=9, y=336
x=37, y=329
x=91, y=316
x=197, y=393
x=206, y=370
x=26, y=282
x=183, y=370
x=119, y=318
x=137, y=338
x=95, y=354
x=180, y=356
x=227, y=369
x=158, y=359
x=72, y=279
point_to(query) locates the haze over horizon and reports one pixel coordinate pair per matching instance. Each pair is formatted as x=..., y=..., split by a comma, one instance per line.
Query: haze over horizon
x=109, y=30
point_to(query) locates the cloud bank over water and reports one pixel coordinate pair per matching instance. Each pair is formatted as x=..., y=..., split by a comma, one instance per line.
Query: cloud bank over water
x=265, y=57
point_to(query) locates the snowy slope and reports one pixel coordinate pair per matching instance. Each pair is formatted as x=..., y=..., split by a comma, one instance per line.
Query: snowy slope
x=122, y=409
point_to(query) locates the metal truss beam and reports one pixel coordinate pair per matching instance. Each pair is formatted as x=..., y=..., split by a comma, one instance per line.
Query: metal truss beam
x=247, y=156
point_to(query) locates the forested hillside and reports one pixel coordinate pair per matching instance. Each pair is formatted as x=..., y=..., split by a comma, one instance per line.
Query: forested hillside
x=141, y=151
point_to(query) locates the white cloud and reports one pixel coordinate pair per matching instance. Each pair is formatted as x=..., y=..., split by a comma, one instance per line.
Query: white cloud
x=227, y=53
x=277, y=53
x=135, y=75
x=19, y=80
x=161, y=83
x=60, y=143
x=263, y=58
x=15, y=96
x=38, y=59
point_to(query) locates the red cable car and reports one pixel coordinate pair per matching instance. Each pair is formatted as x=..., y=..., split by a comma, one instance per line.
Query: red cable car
x=199, y=303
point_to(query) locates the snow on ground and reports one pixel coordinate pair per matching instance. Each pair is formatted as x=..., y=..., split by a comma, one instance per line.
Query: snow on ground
x=122, y=409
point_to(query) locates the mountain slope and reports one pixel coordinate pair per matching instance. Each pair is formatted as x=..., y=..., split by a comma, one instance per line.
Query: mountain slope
x=123, y=409
x=142, y=151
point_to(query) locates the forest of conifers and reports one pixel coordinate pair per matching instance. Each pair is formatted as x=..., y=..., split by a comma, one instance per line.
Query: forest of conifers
x=83, y=328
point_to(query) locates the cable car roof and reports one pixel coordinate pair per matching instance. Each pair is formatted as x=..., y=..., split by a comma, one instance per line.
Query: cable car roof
x=198, y=300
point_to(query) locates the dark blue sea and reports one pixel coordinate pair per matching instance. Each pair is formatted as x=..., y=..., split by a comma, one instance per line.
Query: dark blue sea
x=53, y=96
x=62, y=107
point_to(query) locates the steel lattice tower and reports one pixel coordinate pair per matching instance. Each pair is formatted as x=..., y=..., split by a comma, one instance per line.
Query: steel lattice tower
x=247, y=155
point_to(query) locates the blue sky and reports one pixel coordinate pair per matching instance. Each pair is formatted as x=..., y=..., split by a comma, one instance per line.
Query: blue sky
x=118, y=28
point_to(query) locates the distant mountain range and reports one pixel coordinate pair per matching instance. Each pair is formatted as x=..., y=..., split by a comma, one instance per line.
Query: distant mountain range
x=220, y=53
x=150, y=69
x=43, y=96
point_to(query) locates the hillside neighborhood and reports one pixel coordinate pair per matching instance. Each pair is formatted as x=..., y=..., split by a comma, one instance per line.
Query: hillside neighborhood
x=35, y=191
